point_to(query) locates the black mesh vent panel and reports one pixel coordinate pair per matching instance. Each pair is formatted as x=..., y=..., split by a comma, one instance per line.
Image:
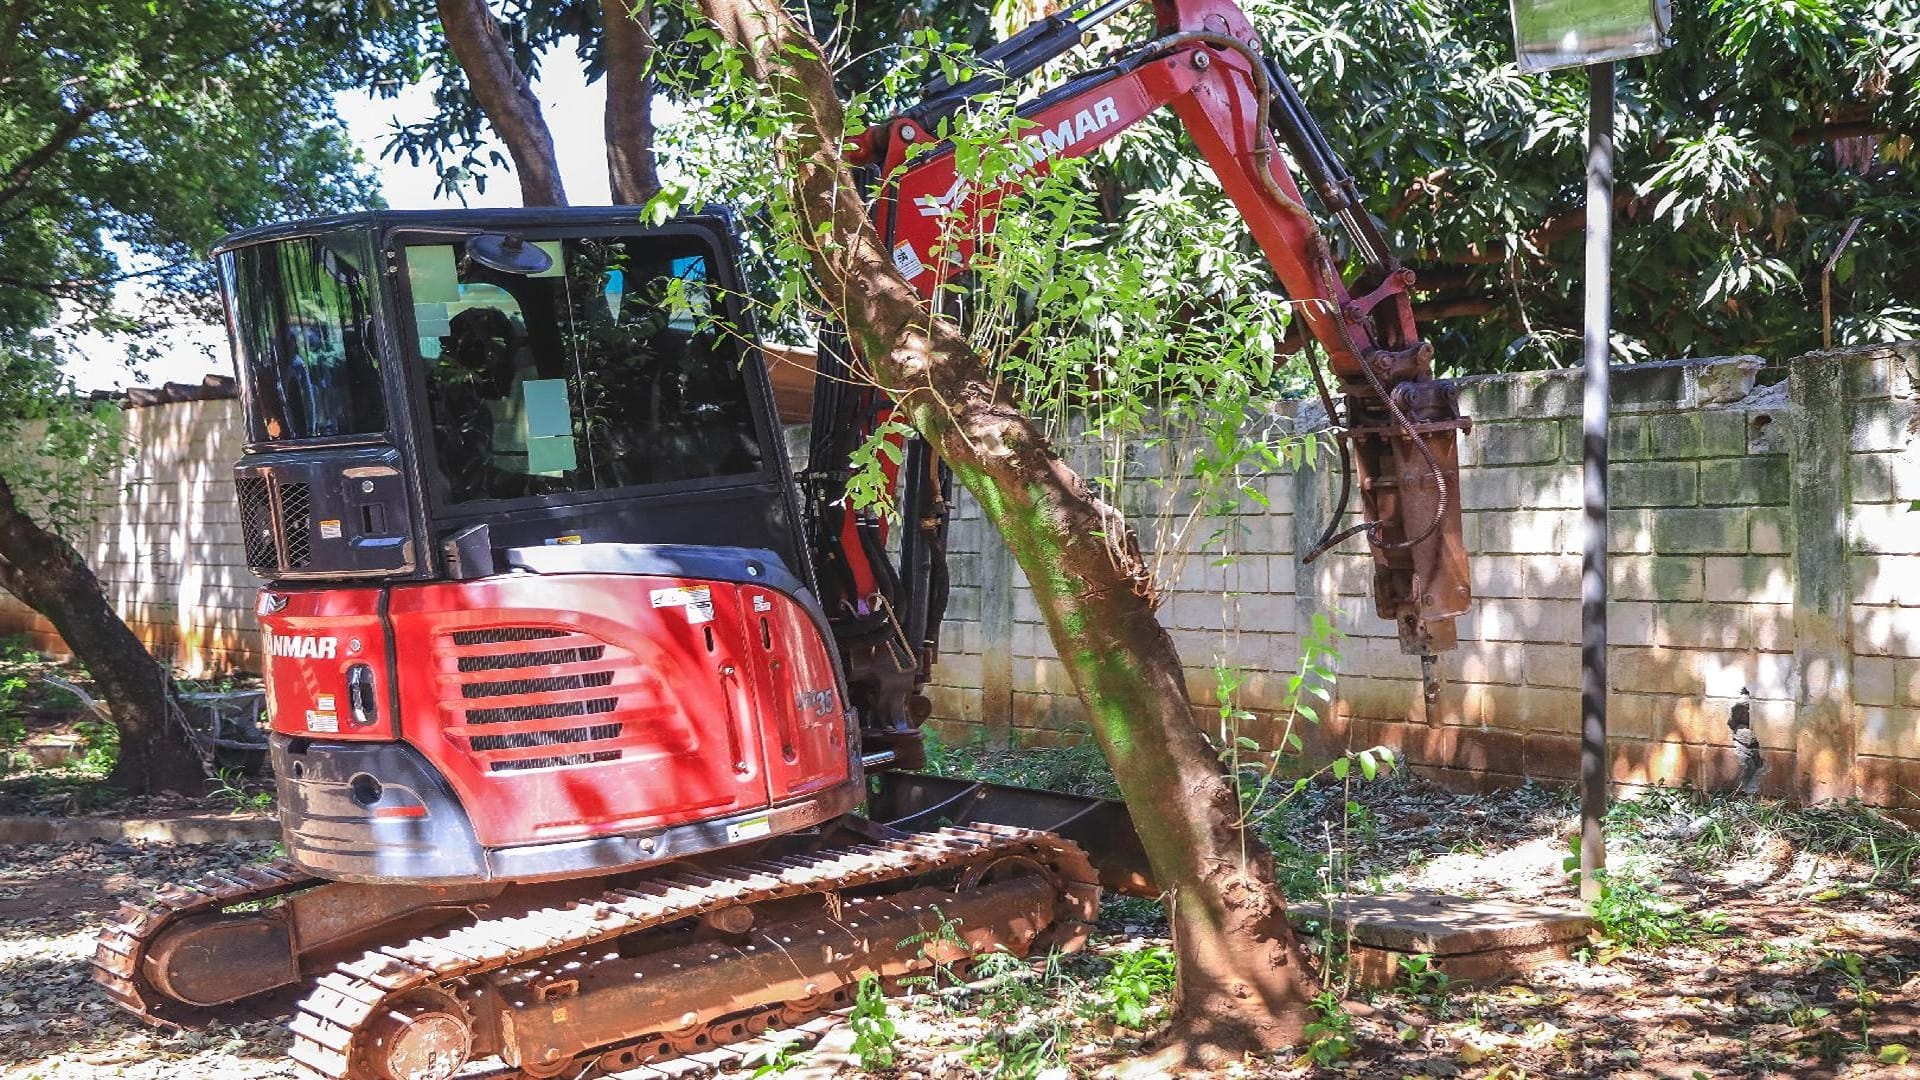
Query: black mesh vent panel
x=256, y=524
x=581, y=655
x=296, y=518
x=552, y=762
x=546, y=738
x=517, y=713
x=493, y=635
x=536, y=686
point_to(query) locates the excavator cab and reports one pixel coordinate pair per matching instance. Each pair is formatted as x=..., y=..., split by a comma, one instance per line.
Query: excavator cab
x=539, y=603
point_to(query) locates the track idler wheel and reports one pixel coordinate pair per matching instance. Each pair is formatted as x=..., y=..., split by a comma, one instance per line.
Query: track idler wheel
x=424, y=1036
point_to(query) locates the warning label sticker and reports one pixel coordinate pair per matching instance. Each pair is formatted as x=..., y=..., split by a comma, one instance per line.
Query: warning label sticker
x=907, y=261
x=761, y=603
x=329, y=528
x=697, y=602
x=322, y=721
x=750, y=828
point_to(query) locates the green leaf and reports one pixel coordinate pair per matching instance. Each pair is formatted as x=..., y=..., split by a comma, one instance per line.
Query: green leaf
x=1341, y=767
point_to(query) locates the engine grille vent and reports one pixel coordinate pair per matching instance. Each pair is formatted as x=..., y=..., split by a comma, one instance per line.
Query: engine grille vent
x=495, y=635
x=548, y=685
x=515, y=714
x=550, y=762
x=256, y=524
x=296, y=520
x=526, y=725
x=585, y=654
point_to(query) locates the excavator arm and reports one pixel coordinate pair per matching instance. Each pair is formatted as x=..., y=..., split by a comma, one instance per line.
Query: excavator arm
x=1397, y=426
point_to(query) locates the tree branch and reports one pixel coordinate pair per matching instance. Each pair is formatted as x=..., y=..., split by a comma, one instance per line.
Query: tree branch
x=506, y=97
x=628, y=48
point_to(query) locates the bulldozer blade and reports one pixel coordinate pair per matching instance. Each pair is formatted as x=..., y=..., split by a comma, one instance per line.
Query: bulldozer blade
x=1102, y=827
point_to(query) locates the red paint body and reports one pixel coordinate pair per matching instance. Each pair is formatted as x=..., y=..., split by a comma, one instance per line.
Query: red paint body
x=569, y=706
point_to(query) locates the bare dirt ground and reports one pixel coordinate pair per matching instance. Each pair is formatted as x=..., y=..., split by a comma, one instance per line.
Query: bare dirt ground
x=1743, y=939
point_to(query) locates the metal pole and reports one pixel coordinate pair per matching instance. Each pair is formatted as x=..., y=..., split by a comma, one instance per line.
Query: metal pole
x=1593, y=421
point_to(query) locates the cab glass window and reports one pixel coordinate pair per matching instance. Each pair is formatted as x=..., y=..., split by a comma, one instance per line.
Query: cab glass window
x=303, y=336
x=603, y=371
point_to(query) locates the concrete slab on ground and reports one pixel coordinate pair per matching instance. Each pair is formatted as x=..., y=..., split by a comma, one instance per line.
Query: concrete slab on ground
x=1476, y=940
x=176, y=829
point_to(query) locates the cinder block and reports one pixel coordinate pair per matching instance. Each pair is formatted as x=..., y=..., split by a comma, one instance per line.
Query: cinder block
x=1630, y=532
x=1887, y=732
x=1525, y=532
x=1884, y=631
x=1553, y=576
x=1651, y=671
x=1760, y=579
x=1486, y=663
x=1888, y=681
x=1884, y=528
x=1723, y=432
x=1626, y=439
x=1500, y=575
x=1891, y=477
x=1884, y=425
x=1770, y=531
x=1687, y=532
x=1518, y=443
x=1746, y=481
x=1676, y=435
x=1636, y=716
x=1528, y=620
x=1659, y=577
x=1654, y=483
x=963, y=603
x=1703, y=626
x=1885, y=579
x=1631, y=623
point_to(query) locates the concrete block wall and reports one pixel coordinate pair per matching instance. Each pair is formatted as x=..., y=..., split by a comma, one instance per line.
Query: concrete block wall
x=1762, y=549
x=1761, y=538
x=167, y=545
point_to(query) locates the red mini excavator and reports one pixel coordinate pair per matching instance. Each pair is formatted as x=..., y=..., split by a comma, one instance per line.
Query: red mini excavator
x=577, y=688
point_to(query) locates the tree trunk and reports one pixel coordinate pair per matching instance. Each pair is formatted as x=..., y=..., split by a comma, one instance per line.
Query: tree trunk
x=48, y=575
x=1243, y=984
x=506, y=97
x=628, y=46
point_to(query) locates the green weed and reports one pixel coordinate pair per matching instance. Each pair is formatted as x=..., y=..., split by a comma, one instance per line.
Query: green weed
x=1134, y=981
x=873, y=1028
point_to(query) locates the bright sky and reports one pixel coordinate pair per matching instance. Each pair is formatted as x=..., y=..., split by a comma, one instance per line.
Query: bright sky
x=574, y=111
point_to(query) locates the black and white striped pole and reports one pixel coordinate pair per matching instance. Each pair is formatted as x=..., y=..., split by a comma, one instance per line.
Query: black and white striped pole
x=1548, y=35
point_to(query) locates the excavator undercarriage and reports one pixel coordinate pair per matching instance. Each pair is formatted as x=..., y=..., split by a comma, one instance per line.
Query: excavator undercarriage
x=650, y=967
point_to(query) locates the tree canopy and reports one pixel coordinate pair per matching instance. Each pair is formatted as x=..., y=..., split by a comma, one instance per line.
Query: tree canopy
x=133, y=134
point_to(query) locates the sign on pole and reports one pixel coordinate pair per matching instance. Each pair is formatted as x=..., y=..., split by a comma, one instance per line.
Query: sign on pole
x=1551, y=34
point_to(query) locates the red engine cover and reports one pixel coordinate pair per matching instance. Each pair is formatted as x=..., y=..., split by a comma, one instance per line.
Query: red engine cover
x=567, y=706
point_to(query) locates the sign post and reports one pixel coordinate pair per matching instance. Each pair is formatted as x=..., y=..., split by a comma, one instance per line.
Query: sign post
x=1548, y=35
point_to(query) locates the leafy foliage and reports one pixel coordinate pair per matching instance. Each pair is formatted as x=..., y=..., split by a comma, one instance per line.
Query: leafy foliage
x=133, y=134
x=873, y=1029
x=1134, y=981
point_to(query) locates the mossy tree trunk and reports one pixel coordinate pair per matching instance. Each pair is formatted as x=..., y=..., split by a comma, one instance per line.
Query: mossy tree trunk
x=1243, y=984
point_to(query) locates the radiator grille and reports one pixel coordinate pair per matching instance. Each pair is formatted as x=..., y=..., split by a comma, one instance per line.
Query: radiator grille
x=550, y=762
x=548, y=685
x=256, y=524
x=494, y=635
x=296, y=520
x=514, y=714
x=528, y=725
x=583, y=655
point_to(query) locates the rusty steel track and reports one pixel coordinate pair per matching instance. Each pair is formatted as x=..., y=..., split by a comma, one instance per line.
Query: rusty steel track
x=408, y=1011
x=123, y=942
x=503, y=985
